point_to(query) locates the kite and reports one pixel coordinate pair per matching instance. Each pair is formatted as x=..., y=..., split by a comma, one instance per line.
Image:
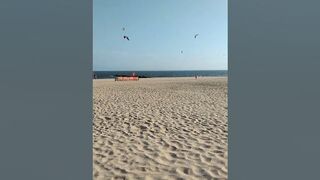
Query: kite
x=126, y=37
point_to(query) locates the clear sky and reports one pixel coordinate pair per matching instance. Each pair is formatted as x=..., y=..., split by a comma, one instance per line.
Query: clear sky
x=159, y=30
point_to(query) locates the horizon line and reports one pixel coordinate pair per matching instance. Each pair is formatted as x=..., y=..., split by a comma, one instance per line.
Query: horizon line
x=170, y=70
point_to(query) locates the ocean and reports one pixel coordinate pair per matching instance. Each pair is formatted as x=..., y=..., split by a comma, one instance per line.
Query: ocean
x=151, y=74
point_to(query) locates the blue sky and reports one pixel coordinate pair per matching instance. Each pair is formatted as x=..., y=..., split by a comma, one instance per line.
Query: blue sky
x=158, y=31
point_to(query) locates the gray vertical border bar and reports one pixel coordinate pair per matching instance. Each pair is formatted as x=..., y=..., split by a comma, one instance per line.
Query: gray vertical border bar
x=46, y=89
x=274, y=70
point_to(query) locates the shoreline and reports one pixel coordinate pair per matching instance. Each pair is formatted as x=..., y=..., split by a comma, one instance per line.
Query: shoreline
x=185, y=77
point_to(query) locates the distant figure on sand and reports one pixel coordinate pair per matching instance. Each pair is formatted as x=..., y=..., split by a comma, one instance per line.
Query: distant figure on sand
x=196, y=77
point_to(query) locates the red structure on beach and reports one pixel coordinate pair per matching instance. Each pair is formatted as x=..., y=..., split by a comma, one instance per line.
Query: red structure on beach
x=127, y=78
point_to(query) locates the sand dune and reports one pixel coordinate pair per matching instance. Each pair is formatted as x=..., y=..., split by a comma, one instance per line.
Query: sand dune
x=160, y=128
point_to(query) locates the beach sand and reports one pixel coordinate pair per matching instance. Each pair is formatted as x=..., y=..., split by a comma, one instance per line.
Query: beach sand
x=160, y=128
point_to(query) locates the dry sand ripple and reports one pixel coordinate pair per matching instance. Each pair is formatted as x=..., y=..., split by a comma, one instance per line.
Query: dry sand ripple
x=160, y=128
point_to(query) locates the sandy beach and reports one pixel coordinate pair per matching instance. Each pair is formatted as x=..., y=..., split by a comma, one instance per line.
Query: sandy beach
x=160, y=128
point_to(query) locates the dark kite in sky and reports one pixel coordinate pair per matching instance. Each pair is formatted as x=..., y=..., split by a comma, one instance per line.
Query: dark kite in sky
x=126, y=37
